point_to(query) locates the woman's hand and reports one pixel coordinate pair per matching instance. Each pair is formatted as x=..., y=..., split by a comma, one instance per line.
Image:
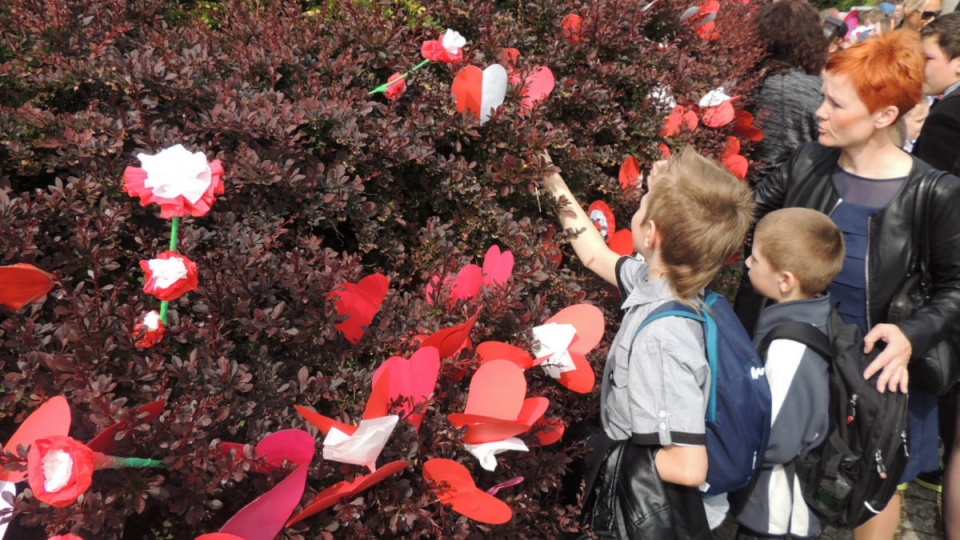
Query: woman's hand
x=892, y=361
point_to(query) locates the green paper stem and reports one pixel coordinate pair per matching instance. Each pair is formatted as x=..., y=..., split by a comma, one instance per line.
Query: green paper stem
x=163, y=311
x=383, y=87
x=103, y=461
x=174, y=239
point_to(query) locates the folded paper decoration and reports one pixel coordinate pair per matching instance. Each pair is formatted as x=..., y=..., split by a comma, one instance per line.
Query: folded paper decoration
x=480, y=92
x=588, y=322
x=456, y=488
x=359, y=303
x=22, y=284
x=341, y=490
x=412, y=381
x=450, y=340
x=486, y=453
x=363, y=445
x=496, y=405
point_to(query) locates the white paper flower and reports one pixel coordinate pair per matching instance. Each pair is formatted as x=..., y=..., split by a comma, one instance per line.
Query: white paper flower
x=452, y=41
x=57, y=469
x=176, y=172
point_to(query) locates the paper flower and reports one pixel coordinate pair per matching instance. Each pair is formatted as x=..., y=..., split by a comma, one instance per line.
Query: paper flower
x=478, y=92
x=489, y=351
x=341, y=490
x=557, y=355
x=149, y=330
x=455, y=487
x=396, y=89
x=169, y=276
x=447, y=49
x=496, y=271
x=22, y=284
x=744, y=127
x=717, y=108
x=450, y=341
x=179, y=181
x=359, y=303
x=59, y=470
x=620, y=241
x=486, y=453
x=497, y=407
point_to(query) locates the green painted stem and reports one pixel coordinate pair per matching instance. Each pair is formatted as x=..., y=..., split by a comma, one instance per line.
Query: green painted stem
x=174, y=239
x=383, y=87
x=102, y=461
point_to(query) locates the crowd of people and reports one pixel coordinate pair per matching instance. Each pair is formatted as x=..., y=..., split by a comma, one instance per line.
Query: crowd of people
x=861, y=115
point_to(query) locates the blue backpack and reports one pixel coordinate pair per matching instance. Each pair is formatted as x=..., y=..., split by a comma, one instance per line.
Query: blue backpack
x=739, y=410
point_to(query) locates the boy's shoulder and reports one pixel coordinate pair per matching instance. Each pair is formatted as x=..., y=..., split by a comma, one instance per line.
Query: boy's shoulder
x=814, y=311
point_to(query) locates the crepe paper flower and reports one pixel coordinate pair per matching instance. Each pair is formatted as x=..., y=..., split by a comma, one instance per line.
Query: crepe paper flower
x=179, y=181
x=619, y=241
x=412, y=380
x=732, y=159
x=744, y=127
x=60, y=468
x=266, y=516
x=489, y=351
x=678, y=119
x=68, y=536
x=478, y=93
x=629, y=174
x=149, y=330
x=22, y=284
x=455, y=487
x=105, y=442
x=497, y=407
x=571, y=27
x=359, y=303
x=556, y=358
x=342, y=490
x=396, y=86
x=486, y=453
x=450, y=341
x=448, y=49
x=51, y=419
x=169, y=276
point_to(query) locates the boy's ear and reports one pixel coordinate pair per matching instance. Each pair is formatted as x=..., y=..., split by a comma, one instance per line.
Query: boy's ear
x=788, y=282
x=651, y=238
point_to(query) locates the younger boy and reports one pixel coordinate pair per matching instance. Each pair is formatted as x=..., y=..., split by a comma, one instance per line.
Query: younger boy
x=655, y=388
x=939, y=140
x=797, y=252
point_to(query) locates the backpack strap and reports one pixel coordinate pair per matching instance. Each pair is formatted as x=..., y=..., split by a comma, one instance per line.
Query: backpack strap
x=804, y=333
x=677, y=309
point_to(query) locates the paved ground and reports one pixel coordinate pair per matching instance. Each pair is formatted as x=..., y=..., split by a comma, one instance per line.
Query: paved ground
x=920, y=521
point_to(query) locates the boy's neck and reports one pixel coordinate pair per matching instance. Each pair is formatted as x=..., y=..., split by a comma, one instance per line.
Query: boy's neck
x=794, y=296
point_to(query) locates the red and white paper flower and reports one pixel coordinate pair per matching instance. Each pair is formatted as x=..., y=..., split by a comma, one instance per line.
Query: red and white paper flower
x=447, y=49
x=396, y=89
x=179, y=181
x=149, y=330
x=59, y=470
x=169, y=276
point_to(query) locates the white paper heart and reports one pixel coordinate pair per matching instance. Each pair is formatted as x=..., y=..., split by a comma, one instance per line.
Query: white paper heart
x=495, y=81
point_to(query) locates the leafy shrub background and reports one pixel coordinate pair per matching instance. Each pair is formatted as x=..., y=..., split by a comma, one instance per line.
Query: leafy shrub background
x=325, y=184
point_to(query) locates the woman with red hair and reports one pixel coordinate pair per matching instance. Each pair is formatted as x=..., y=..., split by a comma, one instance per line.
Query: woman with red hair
x=869, y=187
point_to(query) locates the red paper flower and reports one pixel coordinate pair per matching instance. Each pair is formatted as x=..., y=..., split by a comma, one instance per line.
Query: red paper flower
x=59, y=470
x=397, y=89
x=149, y=330
x=179, y=181
x=447, y=49
x=169, y=276
x=571, y=27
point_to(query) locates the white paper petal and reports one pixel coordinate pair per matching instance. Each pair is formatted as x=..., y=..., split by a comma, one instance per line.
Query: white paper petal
x=6, y=487
x=452, y=41
x=175, y=172
x=364, y=446
x=495, y=82
x=167, y=271
x=554, y=340
x=714, y=98
x=486, y=453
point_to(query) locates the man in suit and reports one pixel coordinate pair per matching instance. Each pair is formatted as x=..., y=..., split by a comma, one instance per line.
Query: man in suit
x=939, y=140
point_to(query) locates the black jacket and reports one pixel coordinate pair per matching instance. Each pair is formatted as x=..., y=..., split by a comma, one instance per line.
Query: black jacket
x=806, y=181
x=939, y=140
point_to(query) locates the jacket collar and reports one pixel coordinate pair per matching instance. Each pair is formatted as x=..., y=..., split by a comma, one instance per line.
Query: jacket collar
x=648, y=292
x=815, y=311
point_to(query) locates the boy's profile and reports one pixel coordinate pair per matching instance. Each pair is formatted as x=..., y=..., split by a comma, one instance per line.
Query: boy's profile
x=797, y=252
x=939, y=140
x=654, y=392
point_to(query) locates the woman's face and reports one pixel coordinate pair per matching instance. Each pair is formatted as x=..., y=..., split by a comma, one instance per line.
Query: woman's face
x=843, y=118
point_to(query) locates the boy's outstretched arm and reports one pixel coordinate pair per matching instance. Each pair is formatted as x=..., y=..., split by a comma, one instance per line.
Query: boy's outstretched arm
x=589, y=244
x=683, y=465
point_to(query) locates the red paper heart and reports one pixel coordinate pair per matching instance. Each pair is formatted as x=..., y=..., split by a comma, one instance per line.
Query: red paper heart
x=341, y=490
x=415, y=379
x=449, y=340
x=456, y=488
x=479, y=92
x=718, y=115
x=629, y=174
x=22, y=284
x=497, y=266
x=498, y=350
x=622, y=242
x=50, y=419
x=536, y=87
x=359, y=302
x=589, y=324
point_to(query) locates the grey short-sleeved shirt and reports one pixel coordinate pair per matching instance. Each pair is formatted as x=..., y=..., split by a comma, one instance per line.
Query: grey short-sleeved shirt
x=659, y=395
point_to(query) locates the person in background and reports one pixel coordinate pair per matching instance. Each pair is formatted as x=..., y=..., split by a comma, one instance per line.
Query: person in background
x=796, y=52
x=868, y=185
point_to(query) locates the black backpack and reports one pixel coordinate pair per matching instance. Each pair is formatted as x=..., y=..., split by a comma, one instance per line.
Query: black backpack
x=853, y=475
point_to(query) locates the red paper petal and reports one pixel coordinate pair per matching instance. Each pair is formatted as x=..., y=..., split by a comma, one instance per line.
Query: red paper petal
x=22, y=284
x=481, y=433
x=455, y=487
x=378, y=404
x=324, y=422
x=497, y=266
x=744, y=127
x=731, y=146
x=718, y=115
x=497, y=390
x=737, y=164
x=263, y=518
x=537, y=86
x=629, y=173
x=49, y=420
x=533, y=410
x=622, y=242
x=468, y=283
x=601, y=215
x=498, y=350
x=330, y=496
x=415, y=378
x=359, y=303
x=449, y=340
x=671, y=126
x=587, y=319
x=549, y=430
x=582, y=379
x=105, y=442
x=690, y=120
x=468, y=89
x=571, y=27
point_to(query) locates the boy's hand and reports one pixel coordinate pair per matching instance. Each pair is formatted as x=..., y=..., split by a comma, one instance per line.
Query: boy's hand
x=892, y=361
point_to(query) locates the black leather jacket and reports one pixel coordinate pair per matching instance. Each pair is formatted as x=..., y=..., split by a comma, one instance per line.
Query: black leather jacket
x=805, y=180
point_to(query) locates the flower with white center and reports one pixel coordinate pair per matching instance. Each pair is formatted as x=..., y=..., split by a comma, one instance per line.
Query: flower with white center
x=169, y=276
x=180, y=181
